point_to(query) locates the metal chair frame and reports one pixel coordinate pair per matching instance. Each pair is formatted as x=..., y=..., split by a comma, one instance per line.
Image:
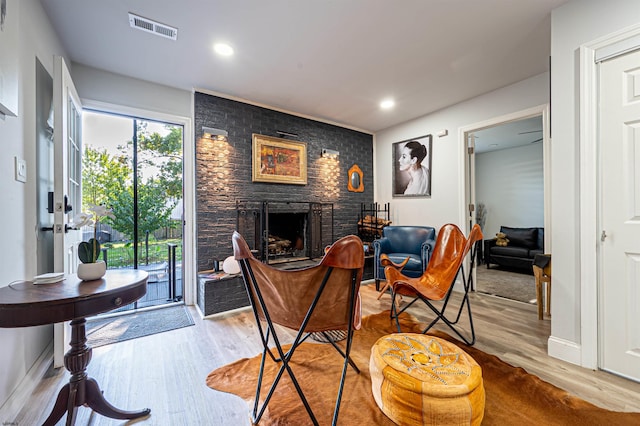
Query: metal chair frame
x=267, y=330
x=467, y=280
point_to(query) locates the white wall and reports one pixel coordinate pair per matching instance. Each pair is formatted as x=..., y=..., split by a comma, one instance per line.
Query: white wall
x=576, y=23
x=116, y=93
x=36, y=38
x=510, y=182
x=447, y=175
x=116, y=89
x=21, y=347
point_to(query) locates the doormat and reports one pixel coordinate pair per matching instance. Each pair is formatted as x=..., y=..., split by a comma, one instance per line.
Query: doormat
x=105, y=331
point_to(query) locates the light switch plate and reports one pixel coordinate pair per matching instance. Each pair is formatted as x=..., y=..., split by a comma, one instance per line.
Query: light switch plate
x=21, y=170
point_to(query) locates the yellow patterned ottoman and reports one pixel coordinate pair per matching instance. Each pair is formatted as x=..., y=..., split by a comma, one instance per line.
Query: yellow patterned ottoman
x=419, y=379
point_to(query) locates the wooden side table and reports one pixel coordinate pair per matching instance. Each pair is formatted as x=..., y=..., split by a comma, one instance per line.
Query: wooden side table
x=24, y=304
x=542, y=273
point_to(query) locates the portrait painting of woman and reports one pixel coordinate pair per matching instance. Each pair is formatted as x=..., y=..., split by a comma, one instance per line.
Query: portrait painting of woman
x=412, y=167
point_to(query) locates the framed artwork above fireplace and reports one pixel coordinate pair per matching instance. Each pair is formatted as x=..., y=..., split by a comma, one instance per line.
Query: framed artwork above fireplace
x=278, y=160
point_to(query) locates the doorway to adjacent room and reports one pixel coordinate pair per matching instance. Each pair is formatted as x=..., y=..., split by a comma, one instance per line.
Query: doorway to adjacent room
x=506, y=185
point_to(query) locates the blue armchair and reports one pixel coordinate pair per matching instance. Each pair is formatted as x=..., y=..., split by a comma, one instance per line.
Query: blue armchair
x=400, y=242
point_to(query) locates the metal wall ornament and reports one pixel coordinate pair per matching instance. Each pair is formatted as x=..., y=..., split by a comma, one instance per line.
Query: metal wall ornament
x=355, y=182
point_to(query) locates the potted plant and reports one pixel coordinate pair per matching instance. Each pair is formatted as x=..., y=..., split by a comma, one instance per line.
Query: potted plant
x=89, y=251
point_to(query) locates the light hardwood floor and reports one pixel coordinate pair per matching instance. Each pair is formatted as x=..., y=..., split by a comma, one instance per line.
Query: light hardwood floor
x=166, y=372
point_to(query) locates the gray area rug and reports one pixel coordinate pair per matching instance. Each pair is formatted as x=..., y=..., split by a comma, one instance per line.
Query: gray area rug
x=506, y=283
x=105, y=331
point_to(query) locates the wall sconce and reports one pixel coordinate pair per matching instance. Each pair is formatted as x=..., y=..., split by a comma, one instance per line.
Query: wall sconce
x=330, y=153
x=215, y=134
x=286, y=134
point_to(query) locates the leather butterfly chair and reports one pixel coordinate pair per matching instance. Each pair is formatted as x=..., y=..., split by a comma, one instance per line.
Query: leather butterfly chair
x=318, y=299
x=437, y=281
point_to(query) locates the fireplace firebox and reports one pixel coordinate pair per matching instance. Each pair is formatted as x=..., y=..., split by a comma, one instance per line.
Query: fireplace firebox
x=285, y=231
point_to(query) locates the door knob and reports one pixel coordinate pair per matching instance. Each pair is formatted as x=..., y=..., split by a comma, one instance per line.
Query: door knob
x=67, y=207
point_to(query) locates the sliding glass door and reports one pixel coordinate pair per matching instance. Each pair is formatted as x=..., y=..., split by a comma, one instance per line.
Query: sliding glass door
x=133, y=167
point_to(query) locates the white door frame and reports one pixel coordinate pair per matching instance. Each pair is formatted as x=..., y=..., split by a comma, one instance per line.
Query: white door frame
x=67, y=187
x=611, y=45
x=189, y=277
x=467, y=188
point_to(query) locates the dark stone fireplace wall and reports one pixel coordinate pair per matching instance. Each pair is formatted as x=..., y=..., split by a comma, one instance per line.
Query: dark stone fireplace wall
x=223, y=170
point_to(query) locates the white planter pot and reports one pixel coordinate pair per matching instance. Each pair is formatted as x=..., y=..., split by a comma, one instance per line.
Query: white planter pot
x=92, y=271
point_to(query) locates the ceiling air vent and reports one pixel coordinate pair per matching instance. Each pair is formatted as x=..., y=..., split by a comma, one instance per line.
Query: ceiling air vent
x=153, y=27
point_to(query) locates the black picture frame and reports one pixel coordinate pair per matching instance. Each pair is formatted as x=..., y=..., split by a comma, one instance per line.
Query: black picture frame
x=403, y=184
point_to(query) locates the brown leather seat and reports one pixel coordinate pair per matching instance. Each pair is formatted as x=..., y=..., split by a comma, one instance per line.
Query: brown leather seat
x=311, y=300
x=385, y=261
x=436, y=283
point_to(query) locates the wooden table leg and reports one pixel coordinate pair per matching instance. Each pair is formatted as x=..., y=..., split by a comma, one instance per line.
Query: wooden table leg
x=548, y=304
x=82, y=390
x=537, y=272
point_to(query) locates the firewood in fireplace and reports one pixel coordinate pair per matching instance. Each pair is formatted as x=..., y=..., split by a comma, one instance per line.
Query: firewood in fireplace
x=278, y=244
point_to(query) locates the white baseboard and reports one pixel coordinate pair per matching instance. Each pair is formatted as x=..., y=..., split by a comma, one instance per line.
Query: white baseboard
x=28, y=384
x=565, y=350
x=199, y=311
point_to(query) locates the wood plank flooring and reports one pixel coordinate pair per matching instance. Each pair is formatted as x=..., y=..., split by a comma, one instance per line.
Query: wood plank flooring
x=166, y=372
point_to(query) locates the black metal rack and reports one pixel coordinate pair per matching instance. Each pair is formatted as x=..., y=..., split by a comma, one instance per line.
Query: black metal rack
x=373, y=217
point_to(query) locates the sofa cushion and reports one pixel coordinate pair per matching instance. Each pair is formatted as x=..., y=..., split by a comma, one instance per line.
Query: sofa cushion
x=540, y=239
x=511, y=251
x=521, y=237
x=532, y=253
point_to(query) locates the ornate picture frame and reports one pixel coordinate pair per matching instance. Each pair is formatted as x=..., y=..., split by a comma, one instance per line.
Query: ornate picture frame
x=412, y=167
x=277, y=160
x=355, y=183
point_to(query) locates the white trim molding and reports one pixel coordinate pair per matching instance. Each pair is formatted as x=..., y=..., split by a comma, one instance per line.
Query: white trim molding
x=11, y=408
x=464, y=131
x=189, y=277
x=564, y=350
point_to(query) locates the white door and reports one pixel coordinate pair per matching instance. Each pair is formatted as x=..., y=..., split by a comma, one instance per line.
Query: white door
x=67, y=183
x=619, y=284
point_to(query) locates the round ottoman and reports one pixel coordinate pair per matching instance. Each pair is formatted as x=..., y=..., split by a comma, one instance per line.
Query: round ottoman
x=419, y=379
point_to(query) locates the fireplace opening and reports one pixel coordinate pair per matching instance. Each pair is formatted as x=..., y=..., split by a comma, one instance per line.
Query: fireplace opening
x=287, y=235
x=285, y=231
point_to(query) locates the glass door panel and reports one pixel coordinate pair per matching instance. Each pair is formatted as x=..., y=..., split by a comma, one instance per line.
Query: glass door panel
x=134, y=167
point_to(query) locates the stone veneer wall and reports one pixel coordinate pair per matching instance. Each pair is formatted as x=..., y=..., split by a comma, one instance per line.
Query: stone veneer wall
x=223, y=170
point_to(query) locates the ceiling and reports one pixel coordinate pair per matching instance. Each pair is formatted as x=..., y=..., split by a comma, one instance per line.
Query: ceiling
x=331, y=60
x=509, y=135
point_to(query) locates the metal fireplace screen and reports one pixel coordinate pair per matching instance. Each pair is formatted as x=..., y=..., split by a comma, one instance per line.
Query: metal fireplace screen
x=285, y=231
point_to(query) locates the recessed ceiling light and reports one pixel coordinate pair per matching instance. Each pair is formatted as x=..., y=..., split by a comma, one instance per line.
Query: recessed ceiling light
x=387, y=104
x=223, y=49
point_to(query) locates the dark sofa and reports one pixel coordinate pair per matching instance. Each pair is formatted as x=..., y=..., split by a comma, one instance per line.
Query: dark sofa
x=524, y=244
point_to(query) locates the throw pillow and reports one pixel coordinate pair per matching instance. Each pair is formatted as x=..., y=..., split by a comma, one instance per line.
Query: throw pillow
x=521, y=237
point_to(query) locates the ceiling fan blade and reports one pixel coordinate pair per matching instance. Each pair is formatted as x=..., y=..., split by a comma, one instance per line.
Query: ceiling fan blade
x=537, y=140
x=531, y=131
